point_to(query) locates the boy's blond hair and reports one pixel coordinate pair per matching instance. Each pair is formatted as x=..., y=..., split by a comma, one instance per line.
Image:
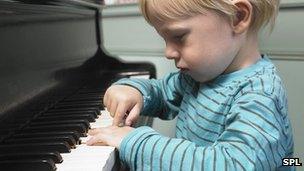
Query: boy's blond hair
x=264, y=11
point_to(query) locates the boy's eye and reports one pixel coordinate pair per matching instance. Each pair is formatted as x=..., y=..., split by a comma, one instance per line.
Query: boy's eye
x=179, y=37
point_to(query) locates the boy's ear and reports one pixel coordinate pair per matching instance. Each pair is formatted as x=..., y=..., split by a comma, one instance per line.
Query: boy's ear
x=242, y=18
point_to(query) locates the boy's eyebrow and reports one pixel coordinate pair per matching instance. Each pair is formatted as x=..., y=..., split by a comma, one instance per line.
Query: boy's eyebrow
x=174, y=29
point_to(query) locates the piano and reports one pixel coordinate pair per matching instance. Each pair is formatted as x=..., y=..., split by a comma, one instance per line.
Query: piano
x=54, y=71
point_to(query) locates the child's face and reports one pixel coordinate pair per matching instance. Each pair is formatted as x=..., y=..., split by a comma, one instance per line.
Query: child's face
x=202, y=46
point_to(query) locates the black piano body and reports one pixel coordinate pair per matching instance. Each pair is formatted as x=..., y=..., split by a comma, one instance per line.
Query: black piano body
x=54, y=71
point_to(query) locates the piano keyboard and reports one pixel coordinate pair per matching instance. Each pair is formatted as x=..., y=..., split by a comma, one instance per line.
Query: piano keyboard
x=51, y=140
x=92, y=158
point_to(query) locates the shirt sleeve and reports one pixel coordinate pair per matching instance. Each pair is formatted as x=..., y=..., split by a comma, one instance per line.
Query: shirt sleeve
x=162, y=97
x=256, y=137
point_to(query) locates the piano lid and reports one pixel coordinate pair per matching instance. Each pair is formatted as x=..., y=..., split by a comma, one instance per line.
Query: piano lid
x=92, y=4
x=19, y=12
x=37, y=40
x=45, y=43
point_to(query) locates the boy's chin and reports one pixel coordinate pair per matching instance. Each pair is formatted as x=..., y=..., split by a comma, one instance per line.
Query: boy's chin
x=202, y=78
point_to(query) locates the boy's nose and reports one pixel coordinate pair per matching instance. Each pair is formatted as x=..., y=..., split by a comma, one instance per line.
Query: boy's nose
x=171, y=53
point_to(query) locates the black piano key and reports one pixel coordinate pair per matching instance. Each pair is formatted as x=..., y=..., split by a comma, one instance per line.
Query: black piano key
x=88, y=93
x=70, y=113
x=80, y=128
x=97, y=110
x=87, y=102
x=71, y=105
x=69, y=139
x=84, y=98
x=88, y=117
x=28, y=165
x=62, y=147
x=55, y=156
x=84, y=122
x=91, y=90
x=74, y=134
x=95, y=113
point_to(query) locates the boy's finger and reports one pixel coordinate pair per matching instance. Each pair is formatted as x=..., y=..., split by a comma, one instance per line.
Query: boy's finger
x=108, y=105
x=96, y=140
x=133, y=115
x=113, y=107
x=119, y=114
x=118, y=120
x=120, y=109
x=105, y=99
x=94, y=131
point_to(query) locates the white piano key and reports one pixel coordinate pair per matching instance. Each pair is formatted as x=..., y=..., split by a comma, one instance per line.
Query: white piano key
x=104, y=120
x=85, y=139
x=93, y=158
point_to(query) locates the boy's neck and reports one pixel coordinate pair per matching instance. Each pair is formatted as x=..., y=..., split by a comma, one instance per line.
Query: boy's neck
x=247, y=55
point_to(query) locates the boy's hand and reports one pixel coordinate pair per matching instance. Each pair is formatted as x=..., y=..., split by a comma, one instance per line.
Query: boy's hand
x=112, y=135
x=120, y=100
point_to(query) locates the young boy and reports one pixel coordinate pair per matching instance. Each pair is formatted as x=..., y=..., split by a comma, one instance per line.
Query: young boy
x=230, y=104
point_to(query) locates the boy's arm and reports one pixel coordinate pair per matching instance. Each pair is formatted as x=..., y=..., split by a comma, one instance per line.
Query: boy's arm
x=162, y=97
x=256, y=137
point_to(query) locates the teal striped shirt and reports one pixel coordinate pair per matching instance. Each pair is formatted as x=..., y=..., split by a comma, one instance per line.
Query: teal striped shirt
x=238, y=121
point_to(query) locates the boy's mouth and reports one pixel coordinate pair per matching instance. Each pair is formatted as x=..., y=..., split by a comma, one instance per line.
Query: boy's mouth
x=183, y=69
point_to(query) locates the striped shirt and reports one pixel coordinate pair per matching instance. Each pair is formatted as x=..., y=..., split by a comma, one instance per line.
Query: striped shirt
x=237, y=121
